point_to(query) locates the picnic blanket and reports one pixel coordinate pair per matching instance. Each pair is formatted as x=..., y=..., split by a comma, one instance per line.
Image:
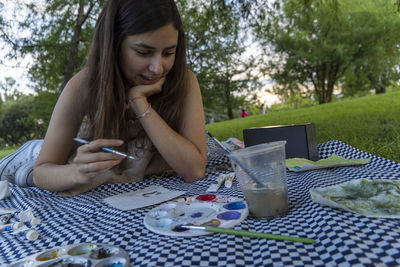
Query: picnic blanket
x=342, y=238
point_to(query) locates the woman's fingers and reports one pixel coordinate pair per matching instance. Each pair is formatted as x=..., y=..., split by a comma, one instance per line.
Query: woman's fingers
x=98, y=167
x=147, y=90
x=89, y=157
x=97, y=144
x=91, y=160
x=93, y=152
x=91, y=170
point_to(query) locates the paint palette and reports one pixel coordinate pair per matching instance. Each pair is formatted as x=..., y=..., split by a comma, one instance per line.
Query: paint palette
x=205, y=210
x=78, y=255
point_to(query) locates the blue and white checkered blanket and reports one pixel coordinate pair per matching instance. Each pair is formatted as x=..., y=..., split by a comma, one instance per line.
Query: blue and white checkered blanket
x=342, y=238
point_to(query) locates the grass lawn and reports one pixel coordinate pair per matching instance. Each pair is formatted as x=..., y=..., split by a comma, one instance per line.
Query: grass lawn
x=370, y=123
x=4, y=151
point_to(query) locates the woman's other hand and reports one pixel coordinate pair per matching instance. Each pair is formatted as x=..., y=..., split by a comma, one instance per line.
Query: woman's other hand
x=146, y=90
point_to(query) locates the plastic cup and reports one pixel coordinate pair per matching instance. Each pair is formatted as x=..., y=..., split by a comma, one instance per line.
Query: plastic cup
x=267, y=163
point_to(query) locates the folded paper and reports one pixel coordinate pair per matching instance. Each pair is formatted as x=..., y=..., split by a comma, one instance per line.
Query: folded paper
x=300, y=164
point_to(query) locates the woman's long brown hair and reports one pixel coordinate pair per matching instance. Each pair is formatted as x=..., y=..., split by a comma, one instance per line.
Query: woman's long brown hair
x=106, y=95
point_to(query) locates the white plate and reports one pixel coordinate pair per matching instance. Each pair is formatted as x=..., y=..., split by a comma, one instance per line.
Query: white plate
x=215, y=210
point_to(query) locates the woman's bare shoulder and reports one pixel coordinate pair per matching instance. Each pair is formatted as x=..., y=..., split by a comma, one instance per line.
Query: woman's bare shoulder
x=78, y=81
x=190, y=75
x=73, y=96
x=192, y=81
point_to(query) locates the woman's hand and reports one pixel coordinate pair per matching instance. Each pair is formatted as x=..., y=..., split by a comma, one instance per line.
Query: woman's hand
x=91, y=160
x=146, y=90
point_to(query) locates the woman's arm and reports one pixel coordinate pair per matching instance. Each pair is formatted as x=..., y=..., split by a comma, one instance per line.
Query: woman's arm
x=185, y=151
x=51, y=170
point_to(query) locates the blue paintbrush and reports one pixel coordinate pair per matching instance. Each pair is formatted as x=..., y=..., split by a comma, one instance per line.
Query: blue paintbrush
x=107, y=149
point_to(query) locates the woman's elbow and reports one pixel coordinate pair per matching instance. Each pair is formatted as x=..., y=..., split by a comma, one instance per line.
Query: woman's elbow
x=194, y=174
x=36, y=180
x=38, y=177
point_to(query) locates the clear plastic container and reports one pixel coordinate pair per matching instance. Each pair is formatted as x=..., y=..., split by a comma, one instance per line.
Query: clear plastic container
x=267, y=163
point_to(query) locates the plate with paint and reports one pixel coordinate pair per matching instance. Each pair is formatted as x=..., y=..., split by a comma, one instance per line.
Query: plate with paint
x=204, y=210
x=83, y=254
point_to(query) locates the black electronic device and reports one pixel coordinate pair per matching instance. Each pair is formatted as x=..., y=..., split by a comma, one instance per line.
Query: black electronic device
x=300, y=139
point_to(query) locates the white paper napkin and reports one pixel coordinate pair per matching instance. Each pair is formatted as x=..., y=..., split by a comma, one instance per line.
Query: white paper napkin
x=142, y=198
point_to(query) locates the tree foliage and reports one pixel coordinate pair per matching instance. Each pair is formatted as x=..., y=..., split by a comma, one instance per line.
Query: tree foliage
x=311, y=45
x=8, y=89
x=379, y=68
x=26, y=117
x=59, y=33
x=18, y=124
x=216, y=43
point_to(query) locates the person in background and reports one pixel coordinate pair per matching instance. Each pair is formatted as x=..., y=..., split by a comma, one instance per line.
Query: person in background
x=262, y=109
x=244, y=113
x=135, y=94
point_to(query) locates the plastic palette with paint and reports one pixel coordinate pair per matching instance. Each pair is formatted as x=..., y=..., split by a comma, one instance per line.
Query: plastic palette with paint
x=78, y=255
x=205, y=210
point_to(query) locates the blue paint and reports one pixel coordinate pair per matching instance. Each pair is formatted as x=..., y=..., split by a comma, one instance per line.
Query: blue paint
x=196, y=215
x=229, y=215
x=235, y=206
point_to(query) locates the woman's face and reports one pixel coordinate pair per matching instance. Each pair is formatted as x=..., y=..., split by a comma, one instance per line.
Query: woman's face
x=147, y=57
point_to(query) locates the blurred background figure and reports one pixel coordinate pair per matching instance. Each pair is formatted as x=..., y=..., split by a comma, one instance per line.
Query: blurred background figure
x=262, y=110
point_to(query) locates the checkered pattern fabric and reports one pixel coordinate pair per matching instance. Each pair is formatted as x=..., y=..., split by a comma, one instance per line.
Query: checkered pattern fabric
x=342, y=238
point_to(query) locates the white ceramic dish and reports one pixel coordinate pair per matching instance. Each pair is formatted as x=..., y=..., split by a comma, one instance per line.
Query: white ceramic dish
x=213, y=210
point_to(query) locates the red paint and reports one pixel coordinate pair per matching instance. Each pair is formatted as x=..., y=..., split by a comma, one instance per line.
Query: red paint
x=206, y=197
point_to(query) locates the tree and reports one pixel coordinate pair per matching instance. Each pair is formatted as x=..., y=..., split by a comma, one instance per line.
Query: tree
x=380, y=66
x=8, y=87
x=42, y=106
x=59, y=35
x=312, y=45
x=19, y=123
x=215, y=48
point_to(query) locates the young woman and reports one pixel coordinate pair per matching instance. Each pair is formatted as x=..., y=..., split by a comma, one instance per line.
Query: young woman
x=136, y=95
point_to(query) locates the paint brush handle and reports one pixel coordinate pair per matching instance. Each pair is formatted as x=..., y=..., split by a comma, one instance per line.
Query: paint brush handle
x=236, y=160
x=257, y=234
x=107, y=149
x=218, y=143
x=250, y=173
